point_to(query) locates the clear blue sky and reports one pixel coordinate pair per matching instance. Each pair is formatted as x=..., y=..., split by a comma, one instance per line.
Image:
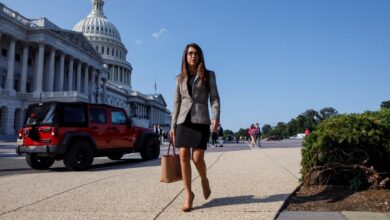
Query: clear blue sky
x=273, y=59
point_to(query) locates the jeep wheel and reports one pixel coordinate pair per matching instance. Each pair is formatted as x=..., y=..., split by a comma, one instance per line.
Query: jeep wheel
x=151, y=150
x=115, y=156
x=39, y=163
x=79, y=156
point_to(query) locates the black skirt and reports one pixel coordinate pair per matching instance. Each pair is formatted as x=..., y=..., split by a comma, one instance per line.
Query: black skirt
x=192, y=135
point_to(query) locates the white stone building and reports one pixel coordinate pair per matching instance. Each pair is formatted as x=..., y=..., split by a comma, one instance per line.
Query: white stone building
x=40, y=61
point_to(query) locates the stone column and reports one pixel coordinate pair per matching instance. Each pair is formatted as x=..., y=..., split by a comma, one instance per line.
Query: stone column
x=23, y=80
x=116, y=74
x=129, y=78
x=39, y=80
x=70, y=75
x=121, y=79
x=99, y=80
x=86, y=78
x=93, y=85
x=104, y=92
x=125, y=81
x=11, y=65
x=50, y=81
x=111, y=73
x=78, y=82
x=61, y=75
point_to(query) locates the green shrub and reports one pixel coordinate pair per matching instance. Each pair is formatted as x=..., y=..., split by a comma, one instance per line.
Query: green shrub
x=350, y=150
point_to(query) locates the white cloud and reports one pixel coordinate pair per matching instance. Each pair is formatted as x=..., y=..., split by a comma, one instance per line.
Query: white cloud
x=158, y=34
x=138, y=42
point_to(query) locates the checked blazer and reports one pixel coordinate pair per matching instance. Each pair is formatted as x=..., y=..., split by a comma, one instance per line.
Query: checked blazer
x=198, y=103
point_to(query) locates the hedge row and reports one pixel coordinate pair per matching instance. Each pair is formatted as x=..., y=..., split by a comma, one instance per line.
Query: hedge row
x=351, y=149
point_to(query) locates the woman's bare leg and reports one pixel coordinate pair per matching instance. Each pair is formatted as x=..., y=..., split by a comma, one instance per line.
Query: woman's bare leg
x=186, y=173
x=200, y=164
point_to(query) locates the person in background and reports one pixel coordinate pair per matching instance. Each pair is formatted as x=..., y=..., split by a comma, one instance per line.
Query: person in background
x=190, y=125
x=160, y=133
x=220, y=136
x=214, y=138
x=251, y=133
x=258, y=135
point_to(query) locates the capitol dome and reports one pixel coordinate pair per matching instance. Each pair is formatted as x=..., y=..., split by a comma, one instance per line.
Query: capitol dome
x=105, y=38
x=97, y=24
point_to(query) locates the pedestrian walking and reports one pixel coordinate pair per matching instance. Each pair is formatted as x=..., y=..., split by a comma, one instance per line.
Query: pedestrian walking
x=214, y=138
x=220, y=136
x=257, y=135
x=190, y=125
x=251, y=133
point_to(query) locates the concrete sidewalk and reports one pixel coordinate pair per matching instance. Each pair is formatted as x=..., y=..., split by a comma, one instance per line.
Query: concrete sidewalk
x=247, y=184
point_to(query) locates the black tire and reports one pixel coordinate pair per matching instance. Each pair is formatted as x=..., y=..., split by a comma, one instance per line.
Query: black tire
x=39, y=163
x=115, y=156
x=151, y=150
x=79, y=156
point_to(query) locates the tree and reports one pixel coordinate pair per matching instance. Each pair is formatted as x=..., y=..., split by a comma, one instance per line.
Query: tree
x=327, y=112
x=311, y=119
x=266, y=129
x=242, y=132
x=227, y=132
x=385, y=104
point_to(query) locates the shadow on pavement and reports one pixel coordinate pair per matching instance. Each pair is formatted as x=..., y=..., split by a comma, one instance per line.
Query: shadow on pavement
x=120, y=164
x=237, y=200
x=114, y=165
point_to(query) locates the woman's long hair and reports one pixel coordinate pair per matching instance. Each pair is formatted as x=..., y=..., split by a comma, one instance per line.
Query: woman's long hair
x=185, y=67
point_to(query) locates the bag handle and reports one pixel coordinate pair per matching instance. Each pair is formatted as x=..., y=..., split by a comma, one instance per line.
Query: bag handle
x=173, y=147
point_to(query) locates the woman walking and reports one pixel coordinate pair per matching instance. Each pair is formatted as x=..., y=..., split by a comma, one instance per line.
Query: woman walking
x=251, y=133
x=190, y=126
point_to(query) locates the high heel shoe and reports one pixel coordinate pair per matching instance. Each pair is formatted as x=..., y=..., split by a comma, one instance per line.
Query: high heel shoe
x=189, y=208
x=206, y=189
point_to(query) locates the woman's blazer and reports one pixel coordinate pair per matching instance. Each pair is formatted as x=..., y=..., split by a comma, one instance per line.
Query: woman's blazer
x=198, y=103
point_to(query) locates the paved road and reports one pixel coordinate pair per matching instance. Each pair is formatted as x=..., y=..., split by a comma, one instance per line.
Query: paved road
x=14, y=164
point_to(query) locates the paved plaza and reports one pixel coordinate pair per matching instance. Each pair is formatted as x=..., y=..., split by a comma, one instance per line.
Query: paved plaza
x=246, y=184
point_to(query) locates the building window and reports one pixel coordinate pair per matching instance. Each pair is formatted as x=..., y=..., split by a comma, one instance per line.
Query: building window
x=16, y=84
x=112, y=52
x=116, y=53
x=97, y=48
x=28, y=87
x=29, y=62
x=4, y=52
x=17, y=57
x=102, y=50
x=108, y=51
x=2, y=81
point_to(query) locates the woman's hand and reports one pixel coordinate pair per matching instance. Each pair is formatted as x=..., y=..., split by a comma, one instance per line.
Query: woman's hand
x=172, y=134
x=214, y=125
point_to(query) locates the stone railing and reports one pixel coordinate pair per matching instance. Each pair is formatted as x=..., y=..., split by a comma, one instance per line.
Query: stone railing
x=15, y=15
x=64, y=94
x=20, y=95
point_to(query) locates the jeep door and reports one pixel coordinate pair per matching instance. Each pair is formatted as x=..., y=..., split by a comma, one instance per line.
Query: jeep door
x=98, y=126
x=119, y=129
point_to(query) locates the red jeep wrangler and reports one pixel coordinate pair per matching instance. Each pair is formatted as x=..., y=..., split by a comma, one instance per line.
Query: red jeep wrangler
x=76, y=132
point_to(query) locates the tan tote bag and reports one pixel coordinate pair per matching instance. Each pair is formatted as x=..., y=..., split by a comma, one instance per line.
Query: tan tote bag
x=170, y=166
